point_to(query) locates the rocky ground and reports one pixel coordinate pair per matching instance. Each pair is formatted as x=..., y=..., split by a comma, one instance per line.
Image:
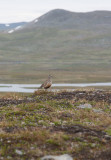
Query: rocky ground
x=76, y=123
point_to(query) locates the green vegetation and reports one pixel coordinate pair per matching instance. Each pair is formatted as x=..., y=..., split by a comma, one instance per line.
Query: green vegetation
x=53, y=124
x=71, y=55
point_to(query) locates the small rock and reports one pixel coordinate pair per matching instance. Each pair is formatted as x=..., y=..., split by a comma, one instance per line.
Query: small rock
x=52, y=124
x=103, y=140
x=22, y=123
x=44, y=127
x=1, y=130
x=93, y=145
x=40, y=121
x=107, y=137
x=98, y=110
x=9, y=157
x=18, y=152
x=62, y=157
x=86, y=105
x=29, y=98
x=1, y=140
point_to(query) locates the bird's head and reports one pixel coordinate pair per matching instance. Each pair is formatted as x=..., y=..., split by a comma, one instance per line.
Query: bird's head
x=50, y=76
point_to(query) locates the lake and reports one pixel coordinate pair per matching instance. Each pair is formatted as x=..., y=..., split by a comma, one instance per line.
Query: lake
x=27, y=88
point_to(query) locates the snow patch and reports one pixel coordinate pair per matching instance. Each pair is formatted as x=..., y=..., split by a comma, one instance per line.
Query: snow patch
x=36, y=20
x=15, y=29
x=18, y=27
x=11, y=31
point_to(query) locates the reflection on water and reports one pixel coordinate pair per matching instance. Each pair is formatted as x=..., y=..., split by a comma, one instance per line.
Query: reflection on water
x=27, y=88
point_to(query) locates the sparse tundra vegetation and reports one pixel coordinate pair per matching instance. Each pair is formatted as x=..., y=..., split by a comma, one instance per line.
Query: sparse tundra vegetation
x=73, y=45
x=74, y=48
x=48, y=123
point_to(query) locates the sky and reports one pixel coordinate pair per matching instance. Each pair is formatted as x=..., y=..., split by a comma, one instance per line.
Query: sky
x=28, y=10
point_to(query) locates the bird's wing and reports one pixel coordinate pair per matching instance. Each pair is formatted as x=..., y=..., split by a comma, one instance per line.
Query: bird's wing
x=48, y=85
x=44, y=84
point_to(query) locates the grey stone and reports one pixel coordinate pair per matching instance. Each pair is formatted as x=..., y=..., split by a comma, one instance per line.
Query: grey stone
x=62, y=157
x=86, y=105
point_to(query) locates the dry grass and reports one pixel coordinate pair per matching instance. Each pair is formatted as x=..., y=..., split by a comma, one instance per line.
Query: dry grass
x=47, y=126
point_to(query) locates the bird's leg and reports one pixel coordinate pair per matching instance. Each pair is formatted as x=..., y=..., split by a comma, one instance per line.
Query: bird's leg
x=50, y=89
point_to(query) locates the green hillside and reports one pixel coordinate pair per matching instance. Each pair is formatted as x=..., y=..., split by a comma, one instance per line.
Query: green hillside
x=70, y=55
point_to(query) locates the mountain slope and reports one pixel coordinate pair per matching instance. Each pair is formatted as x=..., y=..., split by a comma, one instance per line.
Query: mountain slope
x=73, y=49
x=9, y=26
x=71, y=20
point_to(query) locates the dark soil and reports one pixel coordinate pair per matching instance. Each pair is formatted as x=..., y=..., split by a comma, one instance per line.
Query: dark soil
x=46, y=112
x=88, y=95
x=76, y=95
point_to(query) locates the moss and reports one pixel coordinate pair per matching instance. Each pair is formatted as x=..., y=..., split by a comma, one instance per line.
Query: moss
x=53, y=142
x=77, y=139
x=108, y=131
x=57, y=123
x=66, y=137
x=44, y=127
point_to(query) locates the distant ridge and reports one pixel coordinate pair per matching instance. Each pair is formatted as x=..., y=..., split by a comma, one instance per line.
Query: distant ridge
x=65, y=43
x=63, y=19
x=73, y=20
x=9, y=26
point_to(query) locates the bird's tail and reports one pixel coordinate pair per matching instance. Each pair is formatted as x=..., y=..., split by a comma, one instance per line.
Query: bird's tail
x=40, y=87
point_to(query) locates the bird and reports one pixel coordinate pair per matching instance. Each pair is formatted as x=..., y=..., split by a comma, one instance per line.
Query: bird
x=47, y=84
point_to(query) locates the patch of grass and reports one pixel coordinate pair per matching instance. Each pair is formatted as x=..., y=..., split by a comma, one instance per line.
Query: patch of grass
x=52, y=126
x=66, y=137
x=108, y=131
x=83, y=60
x=43, y=92
x=53, y=142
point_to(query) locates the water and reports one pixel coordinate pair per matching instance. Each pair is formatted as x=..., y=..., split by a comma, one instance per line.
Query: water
x=27, y=88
